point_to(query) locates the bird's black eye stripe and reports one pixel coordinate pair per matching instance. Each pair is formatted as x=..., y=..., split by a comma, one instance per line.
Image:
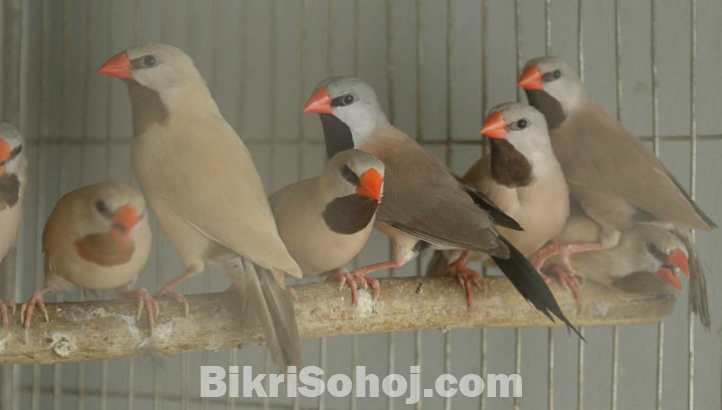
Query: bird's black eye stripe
x=342, y=101
x=101, y=207
x=13, y=154
x=349, y=175
x=654, y=250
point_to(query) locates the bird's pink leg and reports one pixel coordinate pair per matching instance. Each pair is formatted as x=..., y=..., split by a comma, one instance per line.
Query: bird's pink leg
x=566, y=251
x=464, y=275
x=4, y=305
x=145, y=299
x=343, y=276
x=568, y=280
x=359, y=275
x=167, y=289
x=29, y=306
x=545, y=253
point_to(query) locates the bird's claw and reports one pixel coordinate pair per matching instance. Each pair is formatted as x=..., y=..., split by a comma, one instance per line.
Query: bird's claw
x=465, y=277
x=292, y=293
x=145, y=299
x=568, y=280
x=26, y=311
x=353, y=279
x=4, y=305
x=177, y=296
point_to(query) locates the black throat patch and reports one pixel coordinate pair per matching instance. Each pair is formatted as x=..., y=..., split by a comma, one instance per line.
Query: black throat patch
x=350, y=214
x=508, y=166
x=337, y=135
x=9, y=191
x=547, y=105
x=147, y=106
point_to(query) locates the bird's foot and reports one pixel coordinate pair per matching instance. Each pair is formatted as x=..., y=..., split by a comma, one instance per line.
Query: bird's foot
x=145, y=299
x=26, y=311
x=4, y=305
x=545, y=253
x=353, y=280
x=568, y=279
x=466, y=277
x=167, y=291
x=292, y=293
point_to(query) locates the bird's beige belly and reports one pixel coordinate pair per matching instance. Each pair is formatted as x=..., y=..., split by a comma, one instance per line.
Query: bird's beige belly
x=316, y=256
x=10, y=220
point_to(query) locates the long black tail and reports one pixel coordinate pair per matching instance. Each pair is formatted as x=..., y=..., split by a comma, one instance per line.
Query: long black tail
x=274, y=308
x=529, y=283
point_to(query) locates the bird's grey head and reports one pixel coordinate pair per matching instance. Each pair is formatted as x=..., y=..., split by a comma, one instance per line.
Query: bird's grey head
x=349, y=111
x=658, y=251
x=354, y=172
x=553, y=87
x=524, y=127
x=12, y=145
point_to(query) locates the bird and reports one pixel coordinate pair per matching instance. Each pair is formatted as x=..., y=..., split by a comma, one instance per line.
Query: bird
x=13, y=184
x=615, y=178
x=647, y=248
x=325, y=221
x=98, y=238
x=201, y=183
x=425, y=204
x=522, y=177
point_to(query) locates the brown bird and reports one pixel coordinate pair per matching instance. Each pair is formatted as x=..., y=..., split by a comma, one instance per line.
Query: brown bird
x=97, y=237
x=642, y=248
x=13, y=184
x=612, y=174
x=522, y=177
x=201, y=183
x=325, y=221
x=425, y=204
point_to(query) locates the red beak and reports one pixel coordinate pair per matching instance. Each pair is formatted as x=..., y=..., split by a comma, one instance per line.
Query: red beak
x=319, y=103
x=4, y=155
x=124, y=219
x=679, y=259
x=670, y=277
x=531, y=78
x=118, y=66
x=370, y=184
x=494, y=127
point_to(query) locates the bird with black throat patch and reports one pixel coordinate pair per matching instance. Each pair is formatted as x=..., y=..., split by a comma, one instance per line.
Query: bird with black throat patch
x=98, y=238
x=13, y=184
x=522, y=177
x=613, y=175
x=201, y=183
x=425, y=204
x=325, y=221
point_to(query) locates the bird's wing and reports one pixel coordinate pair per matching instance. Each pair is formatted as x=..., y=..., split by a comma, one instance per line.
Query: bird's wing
x=609, y=160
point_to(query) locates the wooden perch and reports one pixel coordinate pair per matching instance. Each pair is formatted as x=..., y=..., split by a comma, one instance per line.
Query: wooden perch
x=81, y=331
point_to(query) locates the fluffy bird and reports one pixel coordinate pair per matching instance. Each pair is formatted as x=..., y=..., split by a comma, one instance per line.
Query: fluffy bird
x=425, y=204
x=612, y=174
x=97, y=237
x=643, y=248
x=200, y=181
x=13, y=184
x=522, y=177
x=325, y=221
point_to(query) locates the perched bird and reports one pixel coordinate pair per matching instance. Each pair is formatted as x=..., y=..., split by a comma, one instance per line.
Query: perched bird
x=522, y=177
x=325, y=221
x=425, y=204
x=642, y=248
x=13, y=184
x=98, y=238
x=200, y=181
x=612, y=174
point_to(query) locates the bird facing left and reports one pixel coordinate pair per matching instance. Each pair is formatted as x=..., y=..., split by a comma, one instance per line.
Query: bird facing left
x=13, y=183
x=201, y=183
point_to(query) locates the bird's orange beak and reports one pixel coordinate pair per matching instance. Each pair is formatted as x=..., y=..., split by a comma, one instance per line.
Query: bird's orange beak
x=679, y=260
x=370, y=184
x=667, y=276
x=494, y=127
x=319, y=103
x=4, y=155
x=531, y=78
x=118, y=66
x=124, y=219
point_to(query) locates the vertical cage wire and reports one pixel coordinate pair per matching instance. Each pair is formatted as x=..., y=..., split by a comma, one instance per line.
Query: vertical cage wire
x=390, y=104
x=418, y=352
x=581, y=347
x=449, y=158
x=484, y=103
x=550, y=331
x=693, y=177
x=519, y=65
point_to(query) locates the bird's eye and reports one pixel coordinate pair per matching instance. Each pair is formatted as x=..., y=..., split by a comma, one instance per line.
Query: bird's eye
x=347, y=99
x=654, y=250
x=522, y=123
x=556, y=74
x=150, y=61
x=349, y=175
x=101, y=207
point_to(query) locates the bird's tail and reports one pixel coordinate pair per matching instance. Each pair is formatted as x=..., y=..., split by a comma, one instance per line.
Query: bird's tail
x=437, y=263
x=697, y=281
x=274, y=308
x=529, y=283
